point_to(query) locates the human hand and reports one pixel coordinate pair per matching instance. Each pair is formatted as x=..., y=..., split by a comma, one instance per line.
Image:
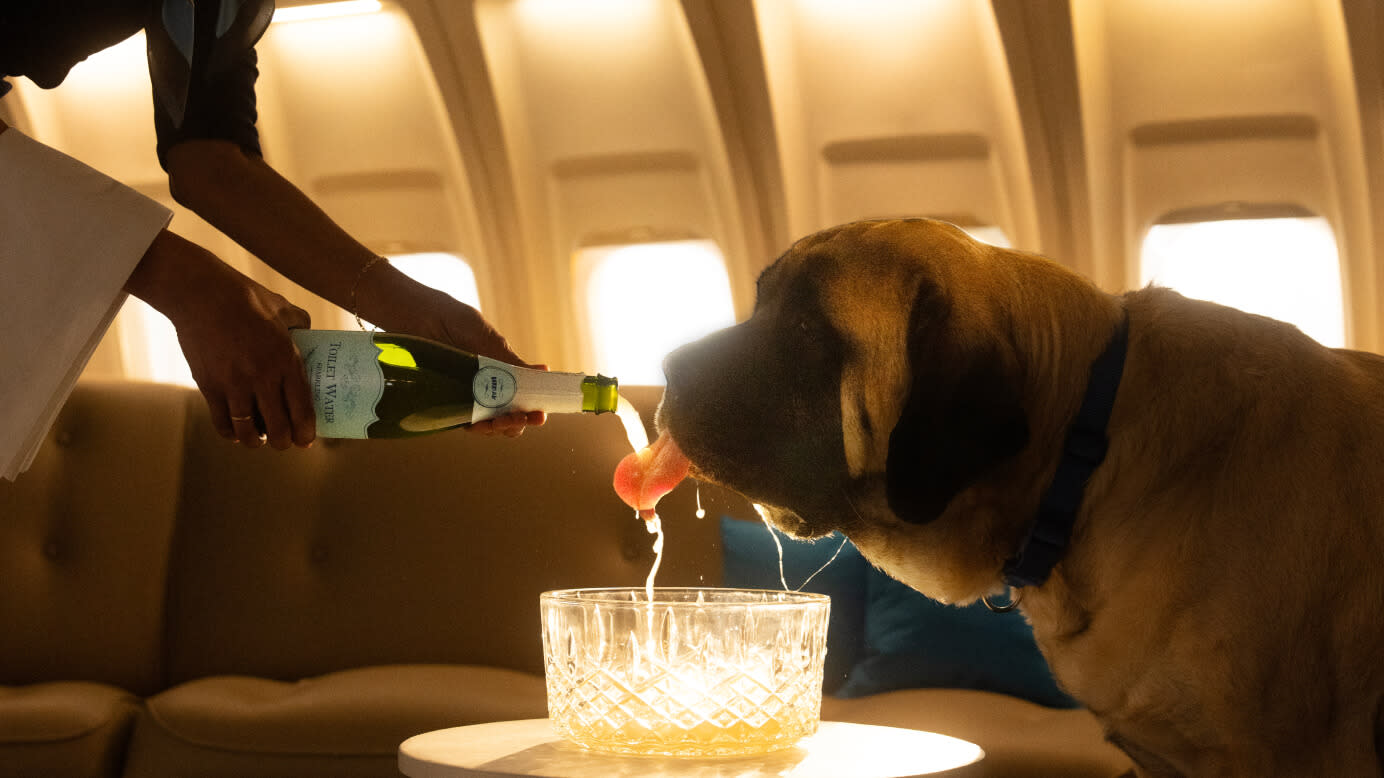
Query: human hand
x=462, y=326
x=235, y=335
x=248, y=369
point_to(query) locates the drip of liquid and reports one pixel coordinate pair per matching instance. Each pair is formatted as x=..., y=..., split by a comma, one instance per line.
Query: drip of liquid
x=824, y=565
x=764, y=515
x=783, y=579
x=655, y=527
x=701, y=514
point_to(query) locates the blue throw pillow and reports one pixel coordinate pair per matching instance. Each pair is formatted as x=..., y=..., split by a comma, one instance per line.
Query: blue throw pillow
x=751, y=561
x=912, y=641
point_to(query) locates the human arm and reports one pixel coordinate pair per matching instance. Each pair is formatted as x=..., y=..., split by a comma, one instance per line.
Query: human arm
x=249, y=201
x=234, y=333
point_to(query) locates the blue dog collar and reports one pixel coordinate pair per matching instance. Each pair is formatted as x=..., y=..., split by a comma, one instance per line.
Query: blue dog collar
x=1083, y=452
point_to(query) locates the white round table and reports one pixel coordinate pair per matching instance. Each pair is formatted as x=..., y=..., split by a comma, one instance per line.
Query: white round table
x=532, y=748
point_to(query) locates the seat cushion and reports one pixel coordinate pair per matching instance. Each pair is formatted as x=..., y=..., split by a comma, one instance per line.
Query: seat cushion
x=67, y=728
x=914, y=642
x=348, y=723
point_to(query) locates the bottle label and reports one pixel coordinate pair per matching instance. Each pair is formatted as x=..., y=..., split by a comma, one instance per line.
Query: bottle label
x=493, y=388
x=346, y=379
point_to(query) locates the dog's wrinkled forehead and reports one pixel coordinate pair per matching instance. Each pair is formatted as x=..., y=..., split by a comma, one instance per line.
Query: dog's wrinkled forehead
x=860, y=282
x=864, y=276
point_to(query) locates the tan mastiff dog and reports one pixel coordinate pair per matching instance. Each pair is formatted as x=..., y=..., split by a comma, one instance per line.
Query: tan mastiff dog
x=1211, y=586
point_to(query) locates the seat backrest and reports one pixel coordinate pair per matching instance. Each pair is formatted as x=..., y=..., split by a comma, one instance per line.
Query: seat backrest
x=433, y=549
x=85, y=537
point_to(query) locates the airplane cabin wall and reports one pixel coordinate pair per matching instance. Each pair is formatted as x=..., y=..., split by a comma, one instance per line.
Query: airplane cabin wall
x=513, y=133
x=889, y=109
x=1214, y=106
x=353, y=115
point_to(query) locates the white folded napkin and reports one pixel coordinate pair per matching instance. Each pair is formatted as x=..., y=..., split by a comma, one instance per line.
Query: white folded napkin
x=69, y=238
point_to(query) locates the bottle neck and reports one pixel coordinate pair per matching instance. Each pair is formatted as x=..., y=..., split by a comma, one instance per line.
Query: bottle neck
x=543, y=390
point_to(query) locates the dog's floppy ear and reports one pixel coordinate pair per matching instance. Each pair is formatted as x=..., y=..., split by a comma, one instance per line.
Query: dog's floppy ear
x=962, y=415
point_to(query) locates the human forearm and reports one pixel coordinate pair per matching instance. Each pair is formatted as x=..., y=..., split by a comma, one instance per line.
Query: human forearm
x=175, y=275
x=259, y=209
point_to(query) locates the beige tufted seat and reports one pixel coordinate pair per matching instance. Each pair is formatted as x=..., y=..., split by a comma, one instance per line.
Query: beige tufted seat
x=172, y=604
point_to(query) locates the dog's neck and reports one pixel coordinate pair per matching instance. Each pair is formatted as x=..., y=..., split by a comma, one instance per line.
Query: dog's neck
x=1082, y=452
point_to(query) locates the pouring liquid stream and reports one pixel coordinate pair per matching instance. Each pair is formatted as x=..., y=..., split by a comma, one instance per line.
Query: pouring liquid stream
x=639, y=440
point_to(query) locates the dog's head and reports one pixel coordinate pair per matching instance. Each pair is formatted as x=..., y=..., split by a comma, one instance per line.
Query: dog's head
x=877, y=381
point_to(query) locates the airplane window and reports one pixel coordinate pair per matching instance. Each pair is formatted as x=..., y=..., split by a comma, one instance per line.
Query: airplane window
x=440, y=270
x=1284, y=268
x=644, y=300
x=447, y=272
x=149, y=346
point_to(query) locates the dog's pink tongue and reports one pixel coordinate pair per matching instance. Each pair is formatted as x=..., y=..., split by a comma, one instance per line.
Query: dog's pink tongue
x=642, y=478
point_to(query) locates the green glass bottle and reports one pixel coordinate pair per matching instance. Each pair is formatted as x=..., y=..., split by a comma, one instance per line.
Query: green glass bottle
x=388, y=385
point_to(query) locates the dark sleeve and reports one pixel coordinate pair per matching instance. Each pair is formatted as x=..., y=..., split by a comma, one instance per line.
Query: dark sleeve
x=213, y=95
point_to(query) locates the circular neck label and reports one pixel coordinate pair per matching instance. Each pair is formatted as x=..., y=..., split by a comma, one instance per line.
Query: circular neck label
x=493, y=387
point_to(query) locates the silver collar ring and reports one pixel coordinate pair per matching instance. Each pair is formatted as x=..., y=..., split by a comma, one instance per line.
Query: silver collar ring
x=1015, y=597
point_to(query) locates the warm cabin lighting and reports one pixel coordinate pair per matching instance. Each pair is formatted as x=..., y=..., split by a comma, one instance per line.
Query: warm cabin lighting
x=644, y=300
x=125, y=61
x=1284, y=268
x=442, y=271
x=590, y=14
x=149, y=347
x=302, y=13
x=100, y=112
x=989, y=233
x=439, y=270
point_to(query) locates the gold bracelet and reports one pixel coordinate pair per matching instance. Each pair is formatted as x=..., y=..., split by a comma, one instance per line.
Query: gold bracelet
x=355, y=308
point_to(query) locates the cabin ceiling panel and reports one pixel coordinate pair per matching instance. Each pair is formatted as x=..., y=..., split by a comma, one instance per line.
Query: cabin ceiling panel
x=862, y=75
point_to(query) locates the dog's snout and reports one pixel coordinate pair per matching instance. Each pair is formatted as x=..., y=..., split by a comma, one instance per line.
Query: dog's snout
x=675, y=365
x=692, y=366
